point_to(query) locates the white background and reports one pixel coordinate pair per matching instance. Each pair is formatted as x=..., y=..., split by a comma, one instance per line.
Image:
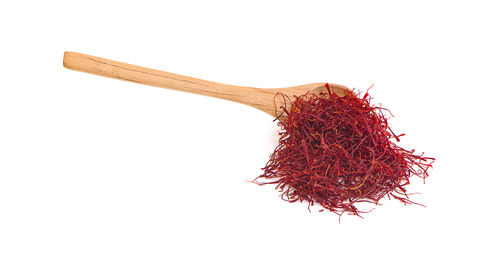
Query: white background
x=105, y=175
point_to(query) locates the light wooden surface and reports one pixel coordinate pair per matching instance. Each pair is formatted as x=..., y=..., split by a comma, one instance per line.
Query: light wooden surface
x=260, y=98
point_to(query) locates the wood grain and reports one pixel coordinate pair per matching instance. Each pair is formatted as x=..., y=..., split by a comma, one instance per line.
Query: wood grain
x=260, y=98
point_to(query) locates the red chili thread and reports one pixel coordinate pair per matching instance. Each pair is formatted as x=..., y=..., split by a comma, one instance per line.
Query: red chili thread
x=338, y=152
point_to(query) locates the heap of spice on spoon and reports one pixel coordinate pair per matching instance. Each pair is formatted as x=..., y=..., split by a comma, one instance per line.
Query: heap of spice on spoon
x=335, y=148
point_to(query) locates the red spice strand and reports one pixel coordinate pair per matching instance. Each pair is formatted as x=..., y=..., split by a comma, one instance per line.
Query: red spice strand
x=338, y=152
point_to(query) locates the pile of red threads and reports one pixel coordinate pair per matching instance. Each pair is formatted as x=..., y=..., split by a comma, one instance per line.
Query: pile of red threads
x=339, y=151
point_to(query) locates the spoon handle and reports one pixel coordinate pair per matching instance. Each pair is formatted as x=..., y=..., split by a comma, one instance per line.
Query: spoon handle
x=255, y=97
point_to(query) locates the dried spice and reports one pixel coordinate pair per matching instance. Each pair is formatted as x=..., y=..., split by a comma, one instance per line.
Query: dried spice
x=339, y=151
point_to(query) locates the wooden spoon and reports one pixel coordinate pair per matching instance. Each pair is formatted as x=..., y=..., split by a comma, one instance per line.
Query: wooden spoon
x=260, y=98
